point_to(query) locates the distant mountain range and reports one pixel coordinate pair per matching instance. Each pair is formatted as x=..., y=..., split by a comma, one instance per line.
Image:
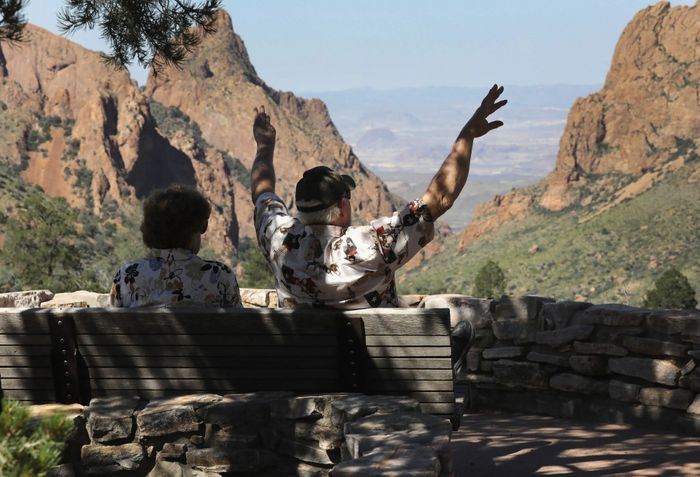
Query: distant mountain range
x=416, y=126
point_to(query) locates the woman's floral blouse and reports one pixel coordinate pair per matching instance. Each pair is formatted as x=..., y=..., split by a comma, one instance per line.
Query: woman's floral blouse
x=175, y=277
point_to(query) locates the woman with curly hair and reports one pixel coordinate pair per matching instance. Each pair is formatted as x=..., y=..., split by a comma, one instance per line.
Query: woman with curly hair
x=174, y=220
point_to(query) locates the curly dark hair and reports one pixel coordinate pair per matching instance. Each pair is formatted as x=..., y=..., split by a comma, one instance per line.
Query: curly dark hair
x=172, y=216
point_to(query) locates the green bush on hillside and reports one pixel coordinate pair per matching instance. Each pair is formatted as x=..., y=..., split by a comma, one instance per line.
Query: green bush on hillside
x=672, y=290
x=255, y=271
x=29, y=448
x=490, y=281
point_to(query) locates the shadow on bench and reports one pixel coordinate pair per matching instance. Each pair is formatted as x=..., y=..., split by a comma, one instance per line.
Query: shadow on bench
x=72, y=355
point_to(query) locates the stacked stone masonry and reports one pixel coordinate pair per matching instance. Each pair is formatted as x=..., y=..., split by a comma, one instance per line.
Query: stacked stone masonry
x=262, y=434
x=572, y=359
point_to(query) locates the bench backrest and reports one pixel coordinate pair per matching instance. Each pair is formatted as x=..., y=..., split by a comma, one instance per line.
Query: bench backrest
x=74, y=354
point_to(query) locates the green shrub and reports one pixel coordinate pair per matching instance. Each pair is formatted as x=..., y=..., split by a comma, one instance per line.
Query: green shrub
x=671, y=290
x=255, y=271
x=29, y=448
x=490, y=281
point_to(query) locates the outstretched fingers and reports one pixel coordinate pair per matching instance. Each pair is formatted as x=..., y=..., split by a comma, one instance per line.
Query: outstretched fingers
x=495, y=125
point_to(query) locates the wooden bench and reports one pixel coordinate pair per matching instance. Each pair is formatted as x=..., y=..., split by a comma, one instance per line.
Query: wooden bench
x=72, y=355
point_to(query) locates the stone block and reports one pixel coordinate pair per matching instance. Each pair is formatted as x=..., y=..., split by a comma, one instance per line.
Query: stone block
x=231, y=437
x=172, y=451
x=608, y=349
x=397, y=422
x=437, y=440
x=352, y=407
x=689, y=367
x=99, y=459
x=408, y=461
x=559, y=314
x=462, y=308
x=410, y=301
x=486, y=366
x=230, y=460
x=483, y=338
x=614, y=334
x=307, y=452
x=549, y=357
x=574, y=383
x=503, y=352
x=520, y=373
x=241, y=410
x=671, y=398
x=671, y=322
x=590, y=365
x=474, y=359
x=654, y=347
x=161, y=417
x=691, y=380
x=328, y=435
x=62, y=470
x=509, y=330
x=304, y=406
x=694, y=407
x=611, y=315
x=694, y=353
x=652, y=370
x=111, y=419
x=522, y=308
x=88, y=298
x=25, y=299
x=259, y=298
x=621, y=391
x=562, y=336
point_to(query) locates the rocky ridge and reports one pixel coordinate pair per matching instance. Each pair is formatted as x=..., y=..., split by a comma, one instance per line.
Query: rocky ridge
x=86, y=132
x=620, y=141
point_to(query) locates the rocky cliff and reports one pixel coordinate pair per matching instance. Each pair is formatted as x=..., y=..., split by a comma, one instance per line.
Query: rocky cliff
x=218, y=88
x=620, y=141
x=84, y=131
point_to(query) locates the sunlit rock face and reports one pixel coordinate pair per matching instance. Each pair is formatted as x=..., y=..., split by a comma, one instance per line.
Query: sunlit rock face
x=87, y=132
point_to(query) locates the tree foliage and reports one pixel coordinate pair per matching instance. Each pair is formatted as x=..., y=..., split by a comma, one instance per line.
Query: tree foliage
x=255, y=271
x=12, y=21
x=153, y=32
x=41, y=243
x=28, y=447
x=671, y=290
x=490, y=281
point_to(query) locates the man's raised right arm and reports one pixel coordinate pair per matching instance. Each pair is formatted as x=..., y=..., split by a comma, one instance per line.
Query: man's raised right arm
x=262, y=174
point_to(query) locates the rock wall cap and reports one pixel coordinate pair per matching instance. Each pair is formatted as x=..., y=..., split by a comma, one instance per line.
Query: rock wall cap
x=321, y=187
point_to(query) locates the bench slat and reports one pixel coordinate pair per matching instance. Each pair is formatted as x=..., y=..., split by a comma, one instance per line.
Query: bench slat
x=23, y=340
x=410, y=374
x=411, y=363
x=25, y=372
x=20, y=350
x=386, y=340
x=404, y=321
x=222, y=339
x=200, y=361
x=211, y=351
x=438, y=408
x=211, y=373
x=22, y=322
x=414, y=352
x=187, y=322
x=408, y=386
x=212, y=385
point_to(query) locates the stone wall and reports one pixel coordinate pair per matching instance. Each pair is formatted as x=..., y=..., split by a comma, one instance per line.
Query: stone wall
x=264, y=434
x=570, y=359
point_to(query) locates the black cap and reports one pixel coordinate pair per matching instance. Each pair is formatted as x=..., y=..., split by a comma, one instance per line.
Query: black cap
x=322, y=187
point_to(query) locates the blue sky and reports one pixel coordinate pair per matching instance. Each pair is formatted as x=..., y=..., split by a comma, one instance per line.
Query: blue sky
x=317, y=45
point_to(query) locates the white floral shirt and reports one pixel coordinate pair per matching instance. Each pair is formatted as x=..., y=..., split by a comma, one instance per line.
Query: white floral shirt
x=175, y=277
x=328, y=265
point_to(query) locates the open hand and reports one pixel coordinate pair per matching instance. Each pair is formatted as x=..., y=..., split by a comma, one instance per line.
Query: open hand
x=479, y=125
x=263, y=131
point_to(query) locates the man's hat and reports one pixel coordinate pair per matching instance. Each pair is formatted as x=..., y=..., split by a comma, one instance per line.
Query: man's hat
x=322, y=187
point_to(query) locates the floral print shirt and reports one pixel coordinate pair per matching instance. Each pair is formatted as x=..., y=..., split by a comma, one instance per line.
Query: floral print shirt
x=175, y=277
x=328, y=265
